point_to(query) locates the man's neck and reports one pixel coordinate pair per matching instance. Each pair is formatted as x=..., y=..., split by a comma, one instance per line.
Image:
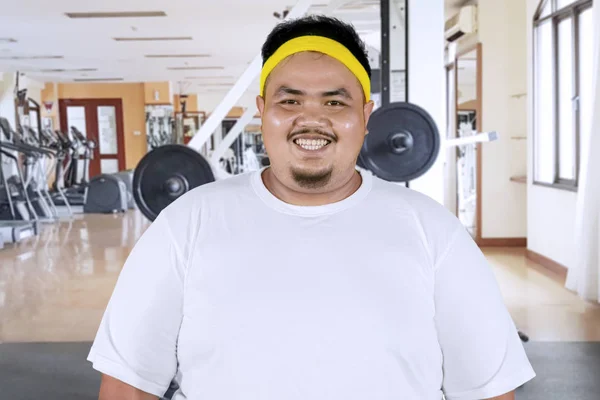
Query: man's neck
x=317, y=198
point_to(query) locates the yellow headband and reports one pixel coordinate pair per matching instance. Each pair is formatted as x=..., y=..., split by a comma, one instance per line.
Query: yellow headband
x=323, y=45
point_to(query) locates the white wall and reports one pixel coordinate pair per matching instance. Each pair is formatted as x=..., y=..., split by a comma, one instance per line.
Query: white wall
x=7, y=86
x=550, y=212
x=207, y=101
x=426, y=81
x=7, y=105
x=551, y=220
x=502, y=32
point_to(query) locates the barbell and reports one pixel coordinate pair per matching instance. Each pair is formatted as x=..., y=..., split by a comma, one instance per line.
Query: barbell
x=402, y=144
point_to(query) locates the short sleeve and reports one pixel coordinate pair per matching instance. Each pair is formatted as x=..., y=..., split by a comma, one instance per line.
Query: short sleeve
x=137, y=338
x=483, y=356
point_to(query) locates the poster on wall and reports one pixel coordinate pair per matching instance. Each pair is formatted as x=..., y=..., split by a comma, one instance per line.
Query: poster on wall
x=47, y=123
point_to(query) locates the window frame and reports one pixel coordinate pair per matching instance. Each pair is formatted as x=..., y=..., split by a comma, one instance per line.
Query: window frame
x=572, y=11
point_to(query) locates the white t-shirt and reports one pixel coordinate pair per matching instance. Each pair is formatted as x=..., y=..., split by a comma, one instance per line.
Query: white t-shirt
x=240, y=296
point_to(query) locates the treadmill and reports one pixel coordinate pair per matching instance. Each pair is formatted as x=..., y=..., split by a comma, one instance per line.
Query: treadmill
x=15, y=229
x=36, y=169
x=68, y=199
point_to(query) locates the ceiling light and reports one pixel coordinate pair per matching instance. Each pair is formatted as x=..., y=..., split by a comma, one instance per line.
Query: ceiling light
x=97, y=79
x=69, y=70
x=32, y=58
x=209, y=77
x=124, y=14
x=151, y=39
x=192, y=68
x=176, y=55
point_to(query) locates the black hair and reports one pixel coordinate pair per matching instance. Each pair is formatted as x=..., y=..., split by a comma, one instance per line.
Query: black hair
x=317, y=25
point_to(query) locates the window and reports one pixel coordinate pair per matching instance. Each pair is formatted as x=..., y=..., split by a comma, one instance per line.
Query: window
x=562, y=89
x=566, y=136
x=586, y=52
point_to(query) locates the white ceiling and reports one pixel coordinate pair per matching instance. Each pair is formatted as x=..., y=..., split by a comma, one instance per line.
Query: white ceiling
x=230, y=32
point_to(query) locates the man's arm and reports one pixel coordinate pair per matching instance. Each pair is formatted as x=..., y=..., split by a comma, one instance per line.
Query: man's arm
x=137, y=338
x=506, y=396
x=483, y=356
x=114, y=389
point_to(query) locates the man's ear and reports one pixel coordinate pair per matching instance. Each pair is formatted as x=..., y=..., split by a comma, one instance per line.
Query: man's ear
x=260, y=104
x=368, y=110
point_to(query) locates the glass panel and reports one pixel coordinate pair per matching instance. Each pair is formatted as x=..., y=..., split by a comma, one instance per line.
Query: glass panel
x=563, y=3
x=566, y=134
x=544, y=101
x=450, y=102
x=450, y=200
x=466, y=172
x=107, y=130
x=467, y=80
x=547, y=10
x=76, y=118
x=109, y=166
x=586, y=53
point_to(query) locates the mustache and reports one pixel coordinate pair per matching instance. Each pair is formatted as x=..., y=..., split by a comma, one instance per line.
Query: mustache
x=315, y=131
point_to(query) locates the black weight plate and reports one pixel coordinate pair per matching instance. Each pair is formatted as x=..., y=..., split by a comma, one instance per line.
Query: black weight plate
x=377, y=153
x=162, y=166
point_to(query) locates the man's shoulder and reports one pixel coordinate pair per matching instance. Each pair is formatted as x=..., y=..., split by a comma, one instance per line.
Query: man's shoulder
x=218, y=188
x=218, y=192
x=399, y=194
x=396, y=199
x=428, y=218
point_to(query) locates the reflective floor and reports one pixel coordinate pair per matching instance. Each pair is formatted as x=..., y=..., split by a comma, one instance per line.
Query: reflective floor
x=54, y=288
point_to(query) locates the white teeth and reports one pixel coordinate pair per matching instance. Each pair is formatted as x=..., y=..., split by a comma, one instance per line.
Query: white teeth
x=311, y=144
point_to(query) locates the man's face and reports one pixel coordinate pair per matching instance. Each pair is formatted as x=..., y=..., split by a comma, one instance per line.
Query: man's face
x=314, y=120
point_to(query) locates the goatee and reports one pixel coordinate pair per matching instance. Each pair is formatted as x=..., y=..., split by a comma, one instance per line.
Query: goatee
x=312, y=180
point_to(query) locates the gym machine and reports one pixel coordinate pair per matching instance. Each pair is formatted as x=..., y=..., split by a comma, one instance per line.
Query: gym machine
x=36, y=176
x=18, y=220
x=24, y=197
x=73, y=183
x=159, y=125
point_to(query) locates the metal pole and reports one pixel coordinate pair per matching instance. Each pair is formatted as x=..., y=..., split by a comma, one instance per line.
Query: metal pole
x=384, y=9
x=473, y=139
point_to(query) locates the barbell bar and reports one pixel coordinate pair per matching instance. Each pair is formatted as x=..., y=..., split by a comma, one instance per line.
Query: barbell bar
x=402, y=144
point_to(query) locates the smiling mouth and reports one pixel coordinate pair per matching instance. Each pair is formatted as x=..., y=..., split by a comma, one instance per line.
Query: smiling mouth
x=311, y=144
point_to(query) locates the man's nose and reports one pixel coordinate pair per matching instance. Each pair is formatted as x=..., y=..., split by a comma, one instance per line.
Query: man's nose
x=312, y=116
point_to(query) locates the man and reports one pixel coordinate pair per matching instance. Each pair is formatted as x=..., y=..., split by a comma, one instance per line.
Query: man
x=309, y=279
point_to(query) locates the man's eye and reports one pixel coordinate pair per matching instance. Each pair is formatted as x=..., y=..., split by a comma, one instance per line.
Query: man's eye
x=289, y=101
x=335, y=103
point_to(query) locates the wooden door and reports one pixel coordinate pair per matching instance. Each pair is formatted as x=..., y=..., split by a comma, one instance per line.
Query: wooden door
x=100, y=120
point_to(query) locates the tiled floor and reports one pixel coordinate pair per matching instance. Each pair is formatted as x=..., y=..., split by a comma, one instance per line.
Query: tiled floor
x=55, y=287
